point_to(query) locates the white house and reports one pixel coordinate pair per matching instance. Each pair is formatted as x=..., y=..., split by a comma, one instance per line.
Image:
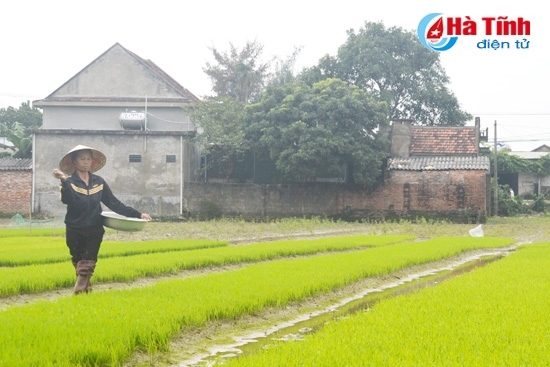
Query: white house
x=132, y=111
x=525, y=183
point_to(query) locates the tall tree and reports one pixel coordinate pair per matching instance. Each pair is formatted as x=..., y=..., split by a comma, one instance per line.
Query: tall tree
x=221, y=132
x=238, y=73
x=238, y=77
x=21, y=141
x=330, y=129
x=284, y=69
x=16, y=124
x=393, y=66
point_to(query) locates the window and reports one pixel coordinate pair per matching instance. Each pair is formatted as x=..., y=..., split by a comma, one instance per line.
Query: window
x=134, y=158
x=170, y=158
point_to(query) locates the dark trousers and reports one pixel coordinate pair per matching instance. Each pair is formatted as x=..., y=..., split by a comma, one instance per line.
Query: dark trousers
x=84, y=244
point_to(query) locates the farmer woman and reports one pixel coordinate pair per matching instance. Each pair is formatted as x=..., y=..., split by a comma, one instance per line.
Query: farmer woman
x=83, y=192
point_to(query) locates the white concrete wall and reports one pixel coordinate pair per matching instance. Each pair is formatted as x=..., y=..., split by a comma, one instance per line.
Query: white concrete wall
x=152, y=186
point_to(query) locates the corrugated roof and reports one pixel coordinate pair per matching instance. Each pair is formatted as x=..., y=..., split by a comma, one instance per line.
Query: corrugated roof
x=15, y=164
x=530, y=155
x=443, y=140
x=428, y=163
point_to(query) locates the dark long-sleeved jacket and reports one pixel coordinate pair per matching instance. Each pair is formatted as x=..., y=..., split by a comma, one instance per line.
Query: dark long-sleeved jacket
x=84, y=202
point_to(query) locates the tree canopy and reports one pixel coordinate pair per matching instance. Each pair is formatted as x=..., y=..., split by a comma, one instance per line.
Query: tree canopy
x=329, y=129
x=330, y=119
x=395, y=68
x=510, y=163
x=222, y=134
x=238, y=73
x=16, y=124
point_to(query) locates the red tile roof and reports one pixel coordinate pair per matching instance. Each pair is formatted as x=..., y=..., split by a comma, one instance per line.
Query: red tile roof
x=443, y=141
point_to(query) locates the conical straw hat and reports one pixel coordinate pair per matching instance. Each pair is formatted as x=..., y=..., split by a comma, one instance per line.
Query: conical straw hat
x=66, y=164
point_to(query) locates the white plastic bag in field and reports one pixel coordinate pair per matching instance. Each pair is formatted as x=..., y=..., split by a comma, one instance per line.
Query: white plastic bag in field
x=476, y=232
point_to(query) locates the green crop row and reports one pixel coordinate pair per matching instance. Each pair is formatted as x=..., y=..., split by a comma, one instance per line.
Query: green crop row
x=495, y=316
x=19, y=251
x=26, y=232
x=41, y=277
x=104, y=328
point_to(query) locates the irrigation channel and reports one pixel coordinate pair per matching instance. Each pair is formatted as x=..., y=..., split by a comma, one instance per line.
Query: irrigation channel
x=361, y=301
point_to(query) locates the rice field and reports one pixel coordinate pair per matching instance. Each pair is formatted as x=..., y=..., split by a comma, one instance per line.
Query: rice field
x=205, y=280
x=495, y=316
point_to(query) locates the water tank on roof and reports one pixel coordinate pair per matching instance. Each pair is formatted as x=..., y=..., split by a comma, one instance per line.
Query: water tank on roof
x=132, y=120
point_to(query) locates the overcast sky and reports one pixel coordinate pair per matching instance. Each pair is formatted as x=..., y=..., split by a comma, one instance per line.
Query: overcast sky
x=45, y=43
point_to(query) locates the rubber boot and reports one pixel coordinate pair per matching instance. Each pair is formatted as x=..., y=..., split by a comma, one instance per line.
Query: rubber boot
x=81, y=284
x=85, y=270
x=89, y=286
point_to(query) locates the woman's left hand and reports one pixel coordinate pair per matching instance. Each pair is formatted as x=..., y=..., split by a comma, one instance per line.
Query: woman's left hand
x=146, y=217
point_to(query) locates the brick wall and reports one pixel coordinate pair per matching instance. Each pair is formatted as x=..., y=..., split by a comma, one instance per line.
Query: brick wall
x=427, y=190
x=458, y=195
x=252, y=200
x=15, y=191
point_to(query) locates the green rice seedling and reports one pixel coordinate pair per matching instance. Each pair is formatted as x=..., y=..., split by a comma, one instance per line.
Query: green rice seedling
x=105, y=327
x=35, y=278
x=29, y=232
x=494, y=316
x=18, y=251
x=117, y=248
x=30, y=279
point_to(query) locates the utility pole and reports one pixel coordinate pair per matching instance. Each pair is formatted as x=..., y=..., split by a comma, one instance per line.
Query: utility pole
x=495, y=176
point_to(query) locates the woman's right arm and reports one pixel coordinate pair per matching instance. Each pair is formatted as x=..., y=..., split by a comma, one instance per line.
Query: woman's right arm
x=59, y=175
x=66, y=194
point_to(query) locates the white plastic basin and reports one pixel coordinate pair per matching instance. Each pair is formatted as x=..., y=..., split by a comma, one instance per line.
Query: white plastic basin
x=122, y=223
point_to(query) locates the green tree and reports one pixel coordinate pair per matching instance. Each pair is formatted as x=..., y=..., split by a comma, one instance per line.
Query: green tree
x=238, y=77
x=221, y=135
x=540, y=167
x=238, y=73
x=284, y=69
x=510, y=163
x=325, y=130
x=22, y=142
x=393, y=66
x=16, y=124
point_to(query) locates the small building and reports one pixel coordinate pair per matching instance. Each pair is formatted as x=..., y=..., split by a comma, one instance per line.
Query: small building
x=437, y=170
x=526, y=183
x=132, y=111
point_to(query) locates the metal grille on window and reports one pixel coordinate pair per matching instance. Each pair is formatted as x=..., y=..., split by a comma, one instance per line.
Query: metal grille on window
x=170, y=158
x=134, y=158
